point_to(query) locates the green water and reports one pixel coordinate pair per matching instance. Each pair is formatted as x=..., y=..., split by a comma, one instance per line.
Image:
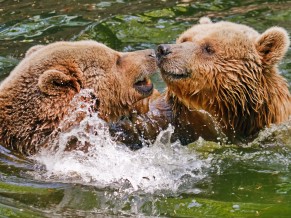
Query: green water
x=254, y=181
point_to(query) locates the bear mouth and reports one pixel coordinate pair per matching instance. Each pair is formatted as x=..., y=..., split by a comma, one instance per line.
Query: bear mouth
x=144, y=86
x=171, y=75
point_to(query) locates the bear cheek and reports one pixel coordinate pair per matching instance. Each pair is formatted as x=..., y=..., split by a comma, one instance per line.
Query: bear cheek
x=126, y=93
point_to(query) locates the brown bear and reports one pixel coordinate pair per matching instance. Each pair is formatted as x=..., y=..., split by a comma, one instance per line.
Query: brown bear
x=36, y=95
x=222, y=84
x=229, y=71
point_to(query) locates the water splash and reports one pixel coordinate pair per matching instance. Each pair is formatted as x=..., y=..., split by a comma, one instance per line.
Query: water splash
x=161, y=166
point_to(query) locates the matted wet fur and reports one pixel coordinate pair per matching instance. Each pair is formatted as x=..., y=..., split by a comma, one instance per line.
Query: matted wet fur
x=36, y=95
x=230, y=71
x=222, y=80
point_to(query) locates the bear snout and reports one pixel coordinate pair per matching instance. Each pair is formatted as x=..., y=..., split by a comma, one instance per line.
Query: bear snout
x=162, y=51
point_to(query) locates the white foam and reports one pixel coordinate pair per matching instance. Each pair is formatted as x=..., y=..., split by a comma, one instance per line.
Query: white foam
x=161, y=166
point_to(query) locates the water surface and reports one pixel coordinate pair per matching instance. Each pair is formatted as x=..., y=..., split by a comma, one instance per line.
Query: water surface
x=165, y=179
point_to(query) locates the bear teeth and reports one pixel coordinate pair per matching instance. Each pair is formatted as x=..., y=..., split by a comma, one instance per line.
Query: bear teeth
x=144, y=86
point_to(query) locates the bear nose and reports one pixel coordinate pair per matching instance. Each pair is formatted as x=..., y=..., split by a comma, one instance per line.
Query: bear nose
x=163, y=50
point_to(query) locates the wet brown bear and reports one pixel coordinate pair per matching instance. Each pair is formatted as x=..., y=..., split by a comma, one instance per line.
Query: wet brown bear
x=222, y=80
x=230, y=71
x=36, y=96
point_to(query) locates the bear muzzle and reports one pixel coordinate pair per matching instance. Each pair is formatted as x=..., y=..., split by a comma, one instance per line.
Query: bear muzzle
x=161, y=53
x=171, y=68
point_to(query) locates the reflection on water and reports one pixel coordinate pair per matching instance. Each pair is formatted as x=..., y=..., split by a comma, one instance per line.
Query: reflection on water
x=202, y=179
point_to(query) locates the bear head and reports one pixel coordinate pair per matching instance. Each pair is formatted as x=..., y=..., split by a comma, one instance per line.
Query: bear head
x=230, y=71
x=36, y=96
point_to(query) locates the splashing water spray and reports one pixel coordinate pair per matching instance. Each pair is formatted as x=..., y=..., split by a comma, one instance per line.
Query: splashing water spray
x=160, y=166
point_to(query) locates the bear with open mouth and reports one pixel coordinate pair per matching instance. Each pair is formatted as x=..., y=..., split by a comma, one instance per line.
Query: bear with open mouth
x=36, y=95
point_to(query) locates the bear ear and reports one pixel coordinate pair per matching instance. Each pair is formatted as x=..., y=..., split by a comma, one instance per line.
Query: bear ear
x=205, y=20
x=272, y=45
x=55, y=82
x=33, y=49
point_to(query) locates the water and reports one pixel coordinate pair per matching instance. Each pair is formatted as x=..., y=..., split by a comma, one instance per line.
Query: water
x=108, y=164
x=165, y=179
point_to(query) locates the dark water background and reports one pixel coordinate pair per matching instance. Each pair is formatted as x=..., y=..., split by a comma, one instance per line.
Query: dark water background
x=231, y=181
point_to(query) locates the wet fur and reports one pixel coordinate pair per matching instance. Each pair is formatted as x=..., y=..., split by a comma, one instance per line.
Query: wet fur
x=37, y=94
x=233, y=76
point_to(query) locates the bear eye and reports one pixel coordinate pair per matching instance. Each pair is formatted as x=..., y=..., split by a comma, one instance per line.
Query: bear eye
x=208, y=49
x=118, y=60
x=185, y=39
